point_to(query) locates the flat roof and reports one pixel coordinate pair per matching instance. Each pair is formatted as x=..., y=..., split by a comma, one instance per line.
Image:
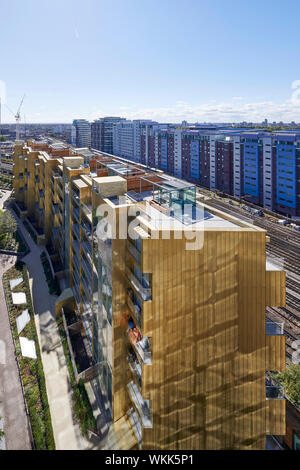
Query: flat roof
x=203, y=220
x=108, y=179
x=80, y=184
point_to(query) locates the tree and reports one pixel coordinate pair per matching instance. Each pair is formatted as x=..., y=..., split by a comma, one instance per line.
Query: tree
x=1, y=432
x=8, y=223
x=2, y=138
x=290, y=379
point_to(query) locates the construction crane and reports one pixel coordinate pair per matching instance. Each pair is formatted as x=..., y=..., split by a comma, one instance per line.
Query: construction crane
x=17, y=118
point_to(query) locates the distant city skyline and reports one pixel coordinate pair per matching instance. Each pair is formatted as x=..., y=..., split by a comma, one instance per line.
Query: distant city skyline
x=118, y=58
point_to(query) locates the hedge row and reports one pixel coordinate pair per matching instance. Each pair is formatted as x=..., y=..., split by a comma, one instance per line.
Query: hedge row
x=53, y=284
x=6, y=182
x=81, y=403
x=31, y=370
x=12, y=242
x=30, y=231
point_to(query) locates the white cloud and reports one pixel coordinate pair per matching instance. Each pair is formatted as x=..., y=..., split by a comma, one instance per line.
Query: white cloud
x=223, y=112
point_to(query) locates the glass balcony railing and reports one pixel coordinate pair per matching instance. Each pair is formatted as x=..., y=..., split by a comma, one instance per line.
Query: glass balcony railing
x=76, y=214
x=76, y=230
x=87, y=228
x=135, y=308
x=76, y=295
x=133, y=251
x=76, y=247
x=141, y=344
x=144, y=292
x=274, y=392
x=76, y=263
x=86, y=246
x=75, y=278
x=87, y=268
x=143, y=347
x=55, y=232
x=135, y=367
x=76, y=257
x=142, y=406
x=86, y=285
x=135, y=425
x=274, y=328
x=76, y=198
x=87, y=209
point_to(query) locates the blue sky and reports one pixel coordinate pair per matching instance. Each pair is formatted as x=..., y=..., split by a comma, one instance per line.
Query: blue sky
x=205, y=60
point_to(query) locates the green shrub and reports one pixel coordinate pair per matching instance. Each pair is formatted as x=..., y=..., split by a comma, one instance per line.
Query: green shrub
x=290, y=379
x=81, y=404
x=53, y=284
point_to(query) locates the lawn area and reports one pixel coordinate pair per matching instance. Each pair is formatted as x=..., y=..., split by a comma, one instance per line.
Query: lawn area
x=81, y=404
x=31, y=370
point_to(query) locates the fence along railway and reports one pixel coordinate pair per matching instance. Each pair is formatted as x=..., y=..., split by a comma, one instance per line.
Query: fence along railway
x=283, y=249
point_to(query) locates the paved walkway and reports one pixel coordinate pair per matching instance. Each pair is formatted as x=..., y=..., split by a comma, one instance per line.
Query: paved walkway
x=11, y=396
x=67, y=433
x=5, y=196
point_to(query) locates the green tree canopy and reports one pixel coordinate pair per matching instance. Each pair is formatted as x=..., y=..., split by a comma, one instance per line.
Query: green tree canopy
x=8, y=223
x=290, y=379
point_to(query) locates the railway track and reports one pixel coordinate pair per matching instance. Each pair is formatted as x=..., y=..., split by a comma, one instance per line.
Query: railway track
x=284, y=250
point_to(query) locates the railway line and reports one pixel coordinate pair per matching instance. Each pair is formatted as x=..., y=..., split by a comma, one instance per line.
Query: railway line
x=284, y=250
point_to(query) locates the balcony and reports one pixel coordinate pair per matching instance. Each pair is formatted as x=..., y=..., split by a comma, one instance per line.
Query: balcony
x=141, y=344
x=133, y=251
x=55, y=208
x=76, y=262
x=143, y=348
x=274, y=328
x=76, y=230
x=60, y=190
x=86, y=246
x=76, y=295
x=56, y=176
x=141, y=405
x=273, y=389
x=135, y=367
x=76, y=198
x=274, y=392
x=144, y=292
x=76, y=214
x=135, y=425
x=87, y=209
x=86, y=228
x=54, y=233
x=87, y=268
x=76, y=247
x=86, y=285
x=134, y=307
x=75, y=276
